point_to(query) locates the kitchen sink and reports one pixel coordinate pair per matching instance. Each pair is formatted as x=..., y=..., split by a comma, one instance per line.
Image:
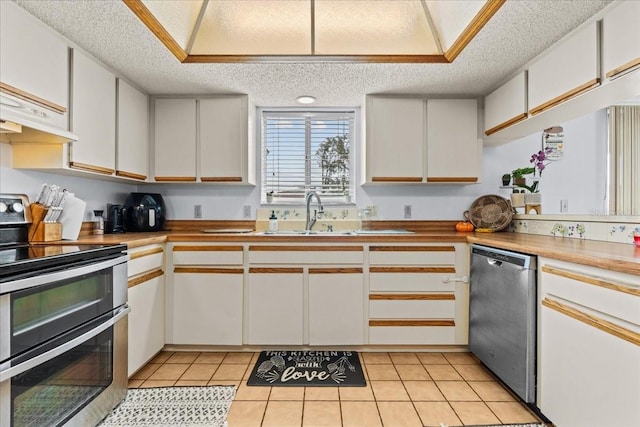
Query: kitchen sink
x=306, y=233
x=389, y=231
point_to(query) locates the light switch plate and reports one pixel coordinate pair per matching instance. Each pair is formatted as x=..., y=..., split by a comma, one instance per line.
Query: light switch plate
x=407, y=211
x=197, y=211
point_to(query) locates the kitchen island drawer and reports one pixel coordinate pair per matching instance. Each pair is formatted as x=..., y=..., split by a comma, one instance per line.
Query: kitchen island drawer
x=410, y=279
x=412, y=255
x=411, y=306
x=144, y=259
x=412, y=332
x=208, y=255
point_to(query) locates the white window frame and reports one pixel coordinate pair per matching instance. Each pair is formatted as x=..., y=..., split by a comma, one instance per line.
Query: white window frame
x=354, y=145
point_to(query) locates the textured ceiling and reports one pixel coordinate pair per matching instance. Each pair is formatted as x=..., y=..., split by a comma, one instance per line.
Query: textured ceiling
x=519, y=31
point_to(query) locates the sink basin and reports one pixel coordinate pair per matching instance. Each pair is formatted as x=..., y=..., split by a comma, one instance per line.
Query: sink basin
x=306, y=233
x=390, y=231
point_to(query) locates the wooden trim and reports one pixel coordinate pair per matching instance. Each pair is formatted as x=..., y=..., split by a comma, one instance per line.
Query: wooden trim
x=565, y=96
x=452, y=179
x=175, y=178
x=412, y=297
x=207, y=248
x=91, y=168
x=131, y=175
x=408, y=322
x=221, y=178
x=147, y=18
x=335, y=270
x=276, y=270
x=26, y=96
x=482, y=17
x=412, y=249
x=412, y=270
x=396, y=179
x=504, y=125
x=307, y=248
x=144, y=253
x=591, y=280
x=208, y=270
x=144, y=278
x=625, y=67
x=593, y=321
x=205, y=224
x=266, y=59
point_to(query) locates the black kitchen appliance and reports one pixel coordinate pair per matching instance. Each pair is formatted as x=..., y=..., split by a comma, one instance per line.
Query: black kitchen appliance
x=144, y=212
x=115, y=221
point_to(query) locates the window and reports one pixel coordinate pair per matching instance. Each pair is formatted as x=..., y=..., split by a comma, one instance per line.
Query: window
x=624, y=155
x=306, y=151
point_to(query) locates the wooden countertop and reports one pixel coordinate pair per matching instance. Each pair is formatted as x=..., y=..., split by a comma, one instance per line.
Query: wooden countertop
x=610, y=256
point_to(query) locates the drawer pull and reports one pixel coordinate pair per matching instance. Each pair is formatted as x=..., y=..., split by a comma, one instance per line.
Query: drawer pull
x=411, y=322
x=144, y=278
x=145, y=253
x=463, y=279
x=591, y=280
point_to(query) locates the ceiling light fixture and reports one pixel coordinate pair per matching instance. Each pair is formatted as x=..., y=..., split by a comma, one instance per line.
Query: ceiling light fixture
x=305, y=99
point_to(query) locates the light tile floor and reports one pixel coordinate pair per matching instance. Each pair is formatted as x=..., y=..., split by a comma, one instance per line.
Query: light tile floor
x=403, y=390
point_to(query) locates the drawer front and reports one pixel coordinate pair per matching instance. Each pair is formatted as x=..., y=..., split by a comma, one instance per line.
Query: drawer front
x=439, y=335
x=412, y=255
x=306, y=255
x=208, y=255
x=409, y=282
x=144, y=260
x=412, y=309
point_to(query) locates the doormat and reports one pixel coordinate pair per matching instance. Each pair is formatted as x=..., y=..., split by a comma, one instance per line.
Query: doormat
x=173, y=406
x=308, y=369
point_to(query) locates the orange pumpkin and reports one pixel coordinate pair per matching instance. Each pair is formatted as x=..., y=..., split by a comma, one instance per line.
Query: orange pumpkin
x=464, y=226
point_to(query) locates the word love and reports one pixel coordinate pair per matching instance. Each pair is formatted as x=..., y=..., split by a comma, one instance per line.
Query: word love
x=291, y=374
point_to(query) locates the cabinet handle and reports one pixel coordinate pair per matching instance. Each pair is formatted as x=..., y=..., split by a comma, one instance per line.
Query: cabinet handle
x=621, y=69
x=91, y=168
x=463, y=279
x=396, y=179
x=145, y=253
x=131, y=175
x=144, y=278
x=591, y=280
x=565, y=96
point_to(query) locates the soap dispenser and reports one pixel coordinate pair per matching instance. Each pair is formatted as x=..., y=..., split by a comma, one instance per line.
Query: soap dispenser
x=273, y=222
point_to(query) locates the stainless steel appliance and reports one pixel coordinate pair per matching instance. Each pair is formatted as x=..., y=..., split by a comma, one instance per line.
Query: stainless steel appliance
x=502, y=316
x=144, y=212
x=115, y=221
x=63, y=327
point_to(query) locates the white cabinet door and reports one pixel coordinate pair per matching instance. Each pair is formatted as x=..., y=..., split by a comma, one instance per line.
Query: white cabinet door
x=93, y=116
x=567, y=70
x=506, y=105
x=146, y=322
x=275, y=306
x=453, y=148
x=223, y=139
x=175, y=140
x=207, y=306
x=336, y=306
x=133, y=132
x=396, y=137
x=33, y=59
x=621, y=38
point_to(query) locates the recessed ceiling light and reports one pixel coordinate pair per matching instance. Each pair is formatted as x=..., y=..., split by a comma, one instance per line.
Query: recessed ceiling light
x=305, y=99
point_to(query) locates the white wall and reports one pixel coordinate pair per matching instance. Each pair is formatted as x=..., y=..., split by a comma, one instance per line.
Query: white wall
x=580, y=178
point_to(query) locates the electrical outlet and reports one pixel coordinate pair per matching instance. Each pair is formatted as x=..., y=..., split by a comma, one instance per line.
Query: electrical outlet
x=564, y=206
x=197, y=211
x=246, y=211
x=407, y=211
x=374, y=210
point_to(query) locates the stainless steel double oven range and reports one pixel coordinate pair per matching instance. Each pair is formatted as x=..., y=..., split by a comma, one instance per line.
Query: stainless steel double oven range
x=63, y=327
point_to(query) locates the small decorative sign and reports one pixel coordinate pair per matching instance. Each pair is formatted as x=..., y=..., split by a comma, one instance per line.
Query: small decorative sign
x=553, y=142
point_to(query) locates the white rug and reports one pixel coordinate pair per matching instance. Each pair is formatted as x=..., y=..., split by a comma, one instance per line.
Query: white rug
x=173, y=407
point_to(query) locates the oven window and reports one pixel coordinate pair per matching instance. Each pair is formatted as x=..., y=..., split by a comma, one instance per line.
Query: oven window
x=43, y=312
x=53, y=392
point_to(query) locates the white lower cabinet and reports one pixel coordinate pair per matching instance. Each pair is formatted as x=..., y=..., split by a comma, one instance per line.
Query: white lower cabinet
x=589, y=346
x=275, y=306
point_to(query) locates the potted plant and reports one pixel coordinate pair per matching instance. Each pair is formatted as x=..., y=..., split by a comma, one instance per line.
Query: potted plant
x=518, y=175
x=506, y=179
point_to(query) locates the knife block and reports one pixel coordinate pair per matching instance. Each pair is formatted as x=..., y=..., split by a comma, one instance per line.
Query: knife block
x=40, y=231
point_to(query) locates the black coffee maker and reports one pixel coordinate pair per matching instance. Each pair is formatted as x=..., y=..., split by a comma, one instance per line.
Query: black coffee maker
x=143, y=212
x=115, y=221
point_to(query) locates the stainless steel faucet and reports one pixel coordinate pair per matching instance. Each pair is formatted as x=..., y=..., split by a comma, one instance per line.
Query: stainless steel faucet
x=311, y=221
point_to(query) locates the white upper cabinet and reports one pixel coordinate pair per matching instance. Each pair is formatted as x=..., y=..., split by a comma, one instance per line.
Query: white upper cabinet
x=396, y=135
x=506, y=105
x=93, y=116
x=34, y=61
x=567, y=70
x=175, y=140
x=453, y=147
x=223, y=139
x=133, y=132
x=621, y=39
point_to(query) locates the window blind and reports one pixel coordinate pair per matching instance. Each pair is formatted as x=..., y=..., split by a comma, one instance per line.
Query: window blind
x=307, y=151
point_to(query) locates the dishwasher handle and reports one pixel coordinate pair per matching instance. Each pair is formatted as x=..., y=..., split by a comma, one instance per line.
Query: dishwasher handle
x=494, y=262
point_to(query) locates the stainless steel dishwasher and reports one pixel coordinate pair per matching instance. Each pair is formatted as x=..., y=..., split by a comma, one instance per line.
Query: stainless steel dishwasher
x=502, y=316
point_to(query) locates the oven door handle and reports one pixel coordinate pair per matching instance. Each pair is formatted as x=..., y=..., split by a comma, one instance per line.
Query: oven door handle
x=45, y=279
x=55, y=352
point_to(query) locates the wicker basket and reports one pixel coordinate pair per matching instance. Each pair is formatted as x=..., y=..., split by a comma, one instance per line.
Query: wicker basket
x=490, y=211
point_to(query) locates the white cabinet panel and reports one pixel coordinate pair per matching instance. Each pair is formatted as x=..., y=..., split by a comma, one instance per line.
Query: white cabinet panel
x=453, y=147
x=412, y=309
x=146, y=322
x=409, y=282
x=208, y=255
x=621, y=38
x=568, y=69
x=396, y=136
x=93, y=113
x=223, y=139
x=175, y=140
x=132, y=155
x=506, y=105
x=412, y=255
x=406, y=335
x=336, y=309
